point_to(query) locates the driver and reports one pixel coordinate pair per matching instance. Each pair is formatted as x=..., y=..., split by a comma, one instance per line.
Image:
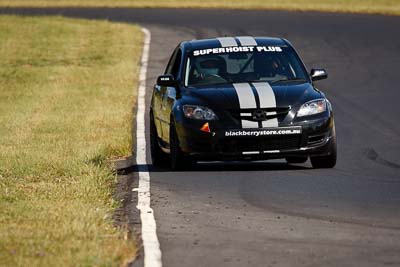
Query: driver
x=211, y=66
x=269, y=66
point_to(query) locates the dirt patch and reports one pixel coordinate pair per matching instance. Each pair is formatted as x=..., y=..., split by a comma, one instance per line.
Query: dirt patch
x=127, y=216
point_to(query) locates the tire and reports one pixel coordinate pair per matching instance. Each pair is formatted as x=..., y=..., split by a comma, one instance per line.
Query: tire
x=329, y=161
x=158, y=157
x=294, y=160
x=178, y=160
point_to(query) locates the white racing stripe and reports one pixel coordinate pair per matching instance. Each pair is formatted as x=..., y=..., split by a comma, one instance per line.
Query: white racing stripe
x=151, y=246
x=247, y=40
x=271, y=151
x=267, y=100
x=227, y=41
x=249, y=124
x=250, y=152
x=246, y=100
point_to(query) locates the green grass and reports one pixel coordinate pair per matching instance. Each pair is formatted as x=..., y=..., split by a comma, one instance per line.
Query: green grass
x=67, y=89
x=389, y=7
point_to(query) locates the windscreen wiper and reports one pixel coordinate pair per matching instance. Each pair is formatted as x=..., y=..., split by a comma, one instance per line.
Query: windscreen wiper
x=289, y=80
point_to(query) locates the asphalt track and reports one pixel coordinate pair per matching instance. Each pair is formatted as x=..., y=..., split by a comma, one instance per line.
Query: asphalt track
x=270, y=213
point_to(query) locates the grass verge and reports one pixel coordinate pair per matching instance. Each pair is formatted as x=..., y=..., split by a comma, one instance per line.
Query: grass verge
x=67, y=88
x=387, y=7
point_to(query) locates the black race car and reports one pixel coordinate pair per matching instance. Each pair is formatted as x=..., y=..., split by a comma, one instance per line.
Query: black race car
x=240, y=98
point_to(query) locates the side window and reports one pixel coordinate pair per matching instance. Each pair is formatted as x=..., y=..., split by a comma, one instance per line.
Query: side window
x=177, y=64
x=174, y=63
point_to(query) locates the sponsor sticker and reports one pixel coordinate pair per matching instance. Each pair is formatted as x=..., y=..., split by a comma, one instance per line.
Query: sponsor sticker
x=263, y=132
x=236, y=49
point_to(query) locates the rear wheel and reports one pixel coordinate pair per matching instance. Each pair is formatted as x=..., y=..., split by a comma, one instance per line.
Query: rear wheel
x=178, y=160
x=294, y=160
x=158, y=157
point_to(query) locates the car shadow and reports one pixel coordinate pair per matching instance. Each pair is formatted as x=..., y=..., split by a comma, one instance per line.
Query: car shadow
x=218, y=166
x=234, y=166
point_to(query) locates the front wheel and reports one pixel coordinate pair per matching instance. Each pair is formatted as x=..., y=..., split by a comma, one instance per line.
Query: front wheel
x=328, y=161
x=178, y=160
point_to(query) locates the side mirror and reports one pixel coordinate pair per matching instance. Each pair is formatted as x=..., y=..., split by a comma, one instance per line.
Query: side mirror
x=318, y=74
x=166, y=80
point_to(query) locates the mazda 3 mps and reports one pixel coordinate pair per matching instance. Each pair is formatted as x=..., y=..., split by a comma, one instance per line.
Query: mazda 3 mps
x=240, y=98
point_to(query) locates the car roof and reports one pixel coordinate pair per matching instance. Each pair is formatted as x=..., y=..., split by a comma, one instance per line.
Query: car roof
x=233, y=41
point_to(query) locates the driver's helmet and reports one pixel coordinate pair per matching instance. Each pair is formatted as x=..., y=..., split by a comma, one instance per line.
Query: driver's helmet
x=214, y=65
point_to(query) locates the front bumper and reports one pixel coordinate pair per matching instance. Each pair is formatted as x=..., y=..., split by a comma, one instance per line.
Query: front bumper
x=315, y=139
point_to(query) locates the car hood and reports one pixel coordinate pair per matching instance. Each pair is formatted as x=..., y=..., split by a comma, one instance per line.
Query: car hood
x=226, y=97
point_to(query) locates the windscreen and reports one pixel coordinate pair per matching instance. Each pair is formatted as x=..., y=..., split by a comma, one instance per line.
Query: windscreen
x=243, y=64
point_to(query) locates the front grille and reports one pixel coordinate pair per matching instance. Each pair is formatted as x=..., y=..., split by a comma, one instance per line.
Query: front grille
x=245, y=114
x=235, y=145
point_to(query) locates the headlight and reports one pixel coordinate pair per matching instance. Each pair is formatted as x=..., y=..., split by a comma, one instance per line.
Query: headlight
x=198, y=113
x=312, y=107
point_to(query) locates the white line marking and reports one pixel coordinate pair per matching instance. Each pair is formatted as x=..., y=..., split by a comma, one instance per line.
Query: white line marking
x=247, y=40
x=151, y=246
x=267, y=100
x=227, y=41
